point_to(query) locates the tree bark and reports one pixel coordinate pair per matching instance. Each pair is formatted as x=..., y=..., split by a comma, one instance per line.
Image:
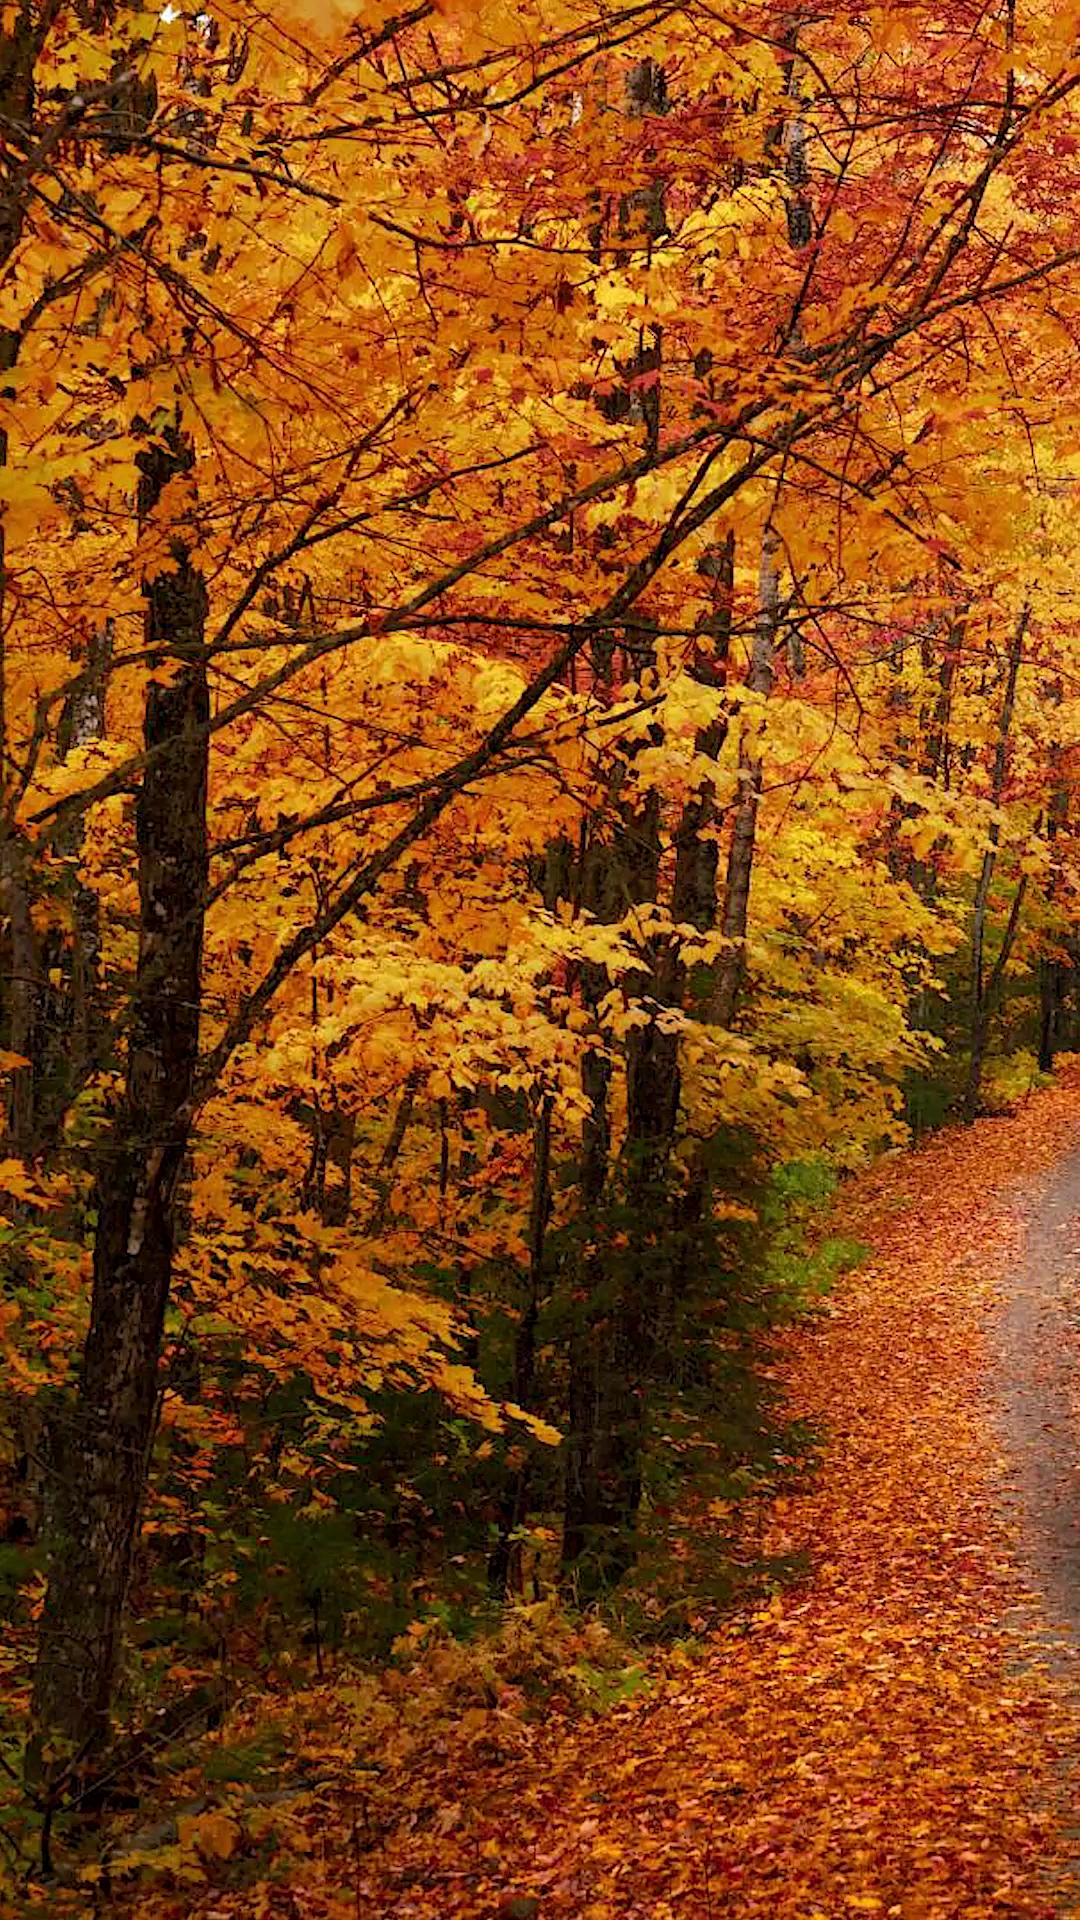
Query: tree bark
x=982, y=996
x=609, y=1358
x=514, y=1507
x=731, y=966
x=70, y=1024
x=693, y=895
x=18, y=55
x=1055, y=971
x=790, y=138
x=101, y=1453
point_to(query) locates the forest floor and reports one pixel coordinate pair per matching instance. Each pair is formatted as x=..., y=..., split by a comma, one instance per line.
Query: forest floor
x=896, y=1733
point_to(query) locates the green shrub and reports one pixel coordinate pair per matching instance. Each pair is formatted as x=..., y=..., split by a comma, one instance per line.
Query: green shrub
x=1009, y=1080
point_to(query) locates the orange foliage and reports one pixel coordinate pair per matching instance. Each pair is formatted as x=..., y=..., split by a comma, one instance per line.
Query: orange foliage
x=479, y=361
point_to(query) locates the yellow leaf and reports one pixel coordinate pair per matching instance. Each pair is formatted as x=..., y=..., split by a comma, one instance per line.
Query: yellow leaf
x=15, y=1180
x=215, y=1833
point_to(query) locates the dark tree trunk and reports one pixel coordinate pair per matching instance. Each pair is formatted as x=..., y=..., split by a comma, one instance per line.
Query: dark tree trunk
x=1054, y=970
x=731, y=967
x=21, y=961
x=22, y=41
x=333, y=1137
x=983, y=993
x=1052, y=979
x=787, y=138
x=604, y=1464
x=620, y=1317
x=514, y=1506
x=64, y=1030
x=606, y=1411
x=70, y=1022
x=693, y=897
x=652, y=1062
x=100, y=1454
x=609, y=1346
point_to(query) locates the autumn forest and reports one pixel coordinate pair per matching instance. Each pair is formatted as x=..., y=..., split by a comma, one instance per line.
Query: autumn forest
x=539, y=958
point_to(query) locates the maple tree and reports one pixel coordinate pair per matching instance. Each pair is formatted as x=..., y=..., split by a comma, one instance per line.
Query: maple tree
x=535, y=637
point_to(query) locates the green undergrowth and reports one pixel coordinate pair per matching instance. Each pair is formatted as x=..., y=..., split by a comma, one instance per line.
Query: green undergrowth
x=1008, y=1081
x=804, y=1264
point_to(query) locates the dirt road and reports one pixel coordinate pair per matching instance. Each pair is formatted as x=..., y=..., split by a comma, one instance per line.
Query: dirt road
x=1035, y=1359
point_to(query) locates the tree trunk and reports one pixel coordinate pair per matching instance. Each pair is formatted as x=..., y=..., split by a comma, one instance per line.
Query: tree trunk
x=21, y=42
x=693, y=896
x=101, y=1454
x=981, y=996
x=609, y=1348
x=604, y=1463
x=514, y=1506
x=1050, y=1002
x=731, y=966
x=790, y=138
x=70, y=1027
x=21, y=969
x=1054, y=971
